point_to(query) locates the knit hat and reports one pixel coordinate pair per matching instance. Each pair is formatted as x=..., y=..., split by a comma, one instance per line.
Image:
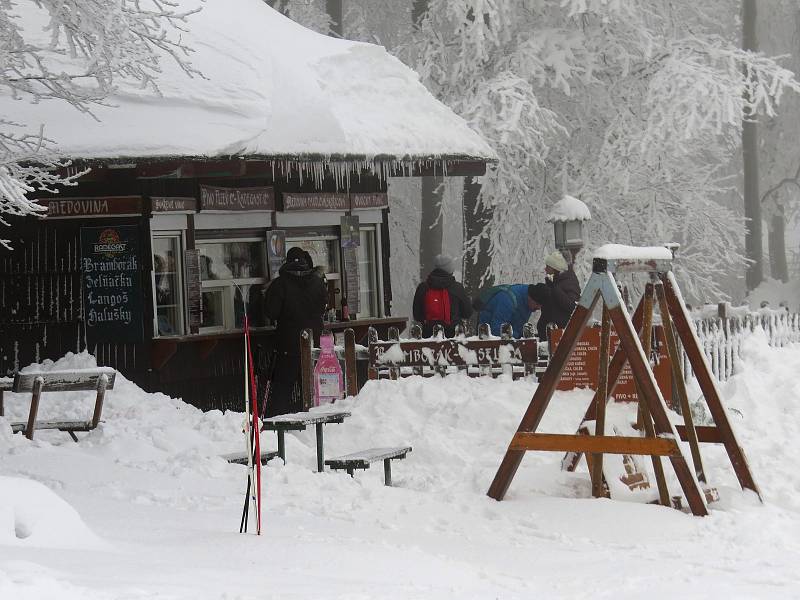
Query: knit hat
x=297, y=255
x=539, y=293
x=556, y=261
x=444, y=262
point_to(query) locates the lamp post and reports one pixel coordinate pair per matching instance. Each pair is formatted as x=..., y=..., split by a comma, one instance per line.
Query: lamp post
x=567, y=217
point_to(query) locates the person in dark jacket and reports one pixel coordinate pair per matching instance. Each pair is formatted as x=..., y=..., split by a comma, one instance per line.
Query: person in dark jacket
x=562, y=293
x=441, y=278
x=296, y=300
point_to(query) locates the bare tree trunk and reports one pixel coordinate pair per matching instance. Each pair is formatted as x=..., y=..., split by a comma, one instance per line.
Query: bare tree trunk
x=752, y=202
x=334, y=10
x=476, y=217
x=430, y=227
x=778, y=266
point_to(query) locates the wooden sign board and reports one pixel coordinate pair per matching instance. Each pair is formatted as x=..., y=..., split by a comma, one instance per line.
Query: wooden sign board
x=352, y=279
x=63, y=208
x=581, y=371
x=453, y=353
x=112, y=289
x=321, y=201
x=170, y=204
x=236, y=199
x=366, y=201
x=193, y=289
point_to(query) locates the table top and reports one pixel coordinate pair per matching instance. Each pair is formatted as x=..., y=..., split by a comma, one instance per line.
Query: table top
x=301, y=419
x=341, y=325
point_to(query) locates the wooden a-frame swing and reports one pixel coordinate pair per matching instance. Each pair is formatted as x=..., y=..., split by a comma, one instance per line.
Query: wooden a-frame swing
x=660, y=435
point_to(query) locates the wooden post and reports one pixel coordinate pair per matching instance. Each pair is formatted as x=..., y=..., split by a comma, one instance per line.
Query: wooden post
x=306, y=369
x=416, y=333
x=547, y=385
x=709, y=388
x=649, y=394
x=601, y=398
x=678, y=383
x=618, y=361
x=350, y=372
x=102, y=384
x=644, y=413
x=35, y=397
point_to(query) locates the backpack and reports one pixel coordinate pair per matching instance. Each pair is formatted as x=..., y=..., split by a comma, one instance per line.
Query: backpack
x=437, y=305
x=486, y=295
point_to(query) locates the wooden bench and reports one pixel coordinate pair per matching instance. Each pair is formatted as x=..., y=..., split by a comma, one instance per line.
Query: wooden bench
x=363, y=459
x=240, y=458
x=98, y=380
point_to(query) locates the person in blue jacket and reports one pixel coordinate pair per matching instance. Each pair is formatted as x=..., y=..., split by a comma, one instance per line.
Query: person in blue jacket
x=512, y=304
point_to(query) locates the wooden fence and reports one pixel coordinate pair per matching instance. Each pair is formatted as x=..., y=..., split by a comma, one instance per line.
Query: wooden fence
x=723, y=336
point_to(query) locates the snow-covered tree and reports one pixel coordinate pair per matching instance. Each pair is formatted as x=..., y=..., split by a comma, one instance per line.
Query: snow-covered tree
x=73, y=51
x=635, y=107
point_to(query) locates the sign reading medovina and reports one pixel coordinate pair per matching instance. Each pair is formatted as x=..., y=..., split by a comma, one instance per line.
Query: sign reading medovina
x=112, y=290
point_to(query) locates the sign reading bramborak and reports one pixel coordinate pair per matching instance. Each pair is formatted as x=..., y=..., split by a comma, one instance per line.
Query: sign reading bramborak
x=112, y=289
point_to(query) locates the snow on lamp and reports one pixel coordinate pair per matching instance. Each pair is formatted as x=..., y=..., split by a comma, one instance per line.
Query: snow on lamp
x=567, y=217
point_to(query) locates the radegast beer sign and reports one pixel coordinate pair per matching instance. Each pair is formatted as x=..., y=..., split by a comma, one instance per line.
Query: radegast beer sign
x=112, y=291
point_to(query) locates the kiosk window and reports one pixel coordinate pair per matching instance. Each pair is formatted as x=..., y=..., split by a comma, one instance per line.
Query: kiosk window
x=168, y=284
x=324, y=251
x=229, y=269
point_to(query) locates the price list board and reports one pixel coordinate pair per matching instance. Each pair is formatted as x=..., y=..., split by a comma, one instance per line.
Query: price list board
x=112, y=284
x=581, y=371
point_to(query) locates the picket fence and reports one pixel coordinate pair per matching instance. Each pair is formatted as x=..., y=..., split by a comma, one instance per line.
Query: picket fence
x=724, y=335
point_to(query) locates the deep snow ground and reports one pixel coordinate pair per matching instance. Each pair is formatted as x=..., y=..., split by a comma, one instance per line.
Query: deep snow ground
x=157, y=512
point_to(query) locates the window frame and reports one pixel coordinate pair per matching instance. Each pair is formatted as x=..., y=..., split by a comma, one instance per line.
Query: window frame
x=229, y=285
x=180, y=283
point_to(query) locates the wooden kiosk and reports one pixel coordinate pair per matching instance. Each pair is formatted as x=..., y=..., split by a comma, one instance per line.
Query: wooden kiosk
x=660, y=435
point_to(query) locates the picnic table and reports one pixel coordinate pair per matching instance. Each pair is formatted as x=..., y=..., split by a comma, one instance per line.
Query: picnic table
x=298, y=422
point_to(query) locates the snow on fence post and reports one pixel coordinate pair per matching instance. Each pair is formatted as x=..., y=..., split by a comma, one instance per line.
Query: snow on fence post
x=394, y=336
x=372, y=337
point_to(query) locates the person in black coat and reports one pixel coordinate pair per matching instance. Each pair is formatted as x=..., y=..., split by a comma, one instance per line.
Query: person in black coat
x=296, y=300
x=441, y=278
x=558, y=295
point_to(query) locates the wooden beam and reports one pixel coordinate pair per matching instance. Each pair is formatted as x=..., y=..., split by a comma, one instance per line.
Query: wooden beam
x=706, y=434
x=547, y=384
x=691, y=346
x=606, y=444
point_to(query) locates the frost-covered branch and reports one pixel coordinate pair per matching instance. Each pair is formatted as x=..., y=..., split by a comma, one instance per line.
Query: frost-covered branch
x=74, y=51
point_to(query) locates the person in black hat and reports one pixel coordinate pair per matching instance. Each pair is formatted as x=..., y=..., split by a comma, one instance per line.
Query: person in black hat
x=440, y=299
x=296, y=300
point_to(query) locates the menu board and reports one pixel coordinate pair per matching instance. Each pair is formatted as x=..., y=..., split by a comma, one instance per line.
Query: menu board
x=194, y=296
x=112, y=287
x=352, y=278
x=582, y=368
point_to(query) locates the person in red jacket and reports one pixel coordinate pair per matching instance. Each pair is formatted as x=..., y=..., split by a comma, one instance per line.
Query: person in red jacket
x=440, y=299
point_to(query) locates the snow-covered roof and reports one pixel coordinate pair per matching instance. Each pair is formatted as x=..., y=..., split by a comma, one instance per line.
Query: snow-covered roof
x=271, y=88
x=569, y=208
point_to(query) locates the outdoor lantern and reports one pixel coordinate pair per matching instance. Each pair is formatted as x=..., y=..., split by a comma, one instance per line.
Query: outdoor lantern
x=567, y=217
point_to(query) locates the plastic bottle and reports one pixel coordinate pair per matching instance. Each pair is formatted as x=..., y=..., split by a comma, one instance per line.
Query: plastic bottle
x=328, y=376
